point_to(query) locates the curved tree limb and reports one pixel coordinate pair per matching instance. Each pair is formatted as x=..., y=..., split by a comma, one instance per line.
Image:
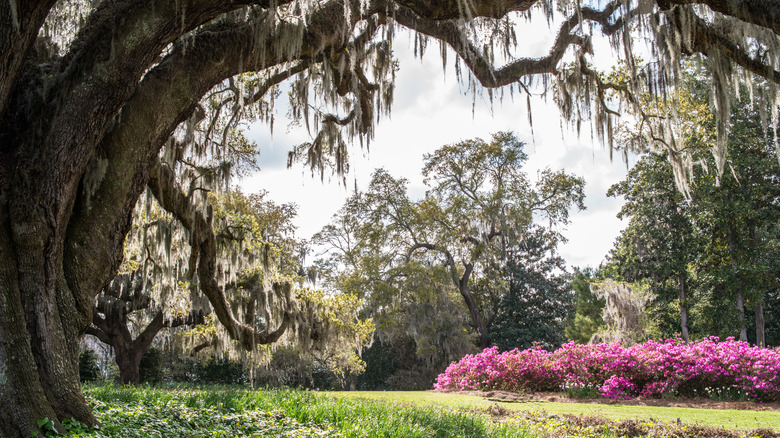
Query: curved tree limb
x=483, y=69
x=705, y=39
x=163, y=188
x=749, y=11
x=173, y=88
x=19, y=24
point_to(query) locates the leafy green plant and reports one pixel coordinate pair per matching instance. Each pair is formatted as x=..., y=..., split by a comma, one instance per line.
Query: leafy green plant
x=582, y=392
x=150, y=368
x=224, y=411
x=89, y=371
x=218, y=370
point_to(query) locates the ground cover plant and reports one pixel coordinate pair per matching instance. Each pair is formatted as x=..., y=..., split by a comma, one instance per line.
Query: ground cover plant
x=224, y=411
x=711, y=368
x=130, y=412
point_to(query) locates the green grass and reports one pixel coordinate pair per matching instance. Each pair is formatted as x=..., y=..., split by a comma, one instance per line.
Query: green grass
x=227, y=412
x=721, y=418
x=130, y=412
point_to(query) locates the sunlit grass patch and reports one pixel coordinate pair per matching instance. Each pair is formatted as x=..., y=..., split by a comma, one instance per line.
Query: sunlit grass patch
x=570, y=426
x=719, y=418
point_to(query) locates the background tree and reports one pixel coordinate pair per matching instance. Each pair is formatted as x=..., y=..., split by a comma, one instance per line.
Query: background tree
x=479, y=206
x=86, y=109
x=478, y=215
x=413, y=305
x=659, y=243
x=626, y=319
x=738, y=216
x=157, y=290
x=111, y=324
x=89, y=371
x=539, y=302
x=588, y=309
x=714, y=247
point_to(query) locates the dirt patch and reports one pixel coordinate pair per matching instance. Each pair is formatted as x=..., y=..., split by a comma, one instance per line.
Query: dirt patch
x=699, y=403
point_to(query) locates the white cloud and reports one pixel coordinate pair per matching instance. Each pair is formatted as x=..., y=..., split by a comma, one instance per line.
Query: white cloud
x=430, y=110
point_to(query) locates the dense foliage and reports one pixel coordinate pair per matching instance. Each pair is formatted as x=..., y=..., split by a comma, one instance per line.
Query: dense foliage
x=538, y=303
x=708, y=256
x=150, y=368
x=709, y=368
x=587, y=318
x=89, y=371
x=472, y=258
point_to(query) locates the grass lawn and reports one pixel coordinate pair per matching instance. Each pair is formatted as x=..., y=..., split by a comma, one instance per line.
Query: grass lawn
x=721, y=418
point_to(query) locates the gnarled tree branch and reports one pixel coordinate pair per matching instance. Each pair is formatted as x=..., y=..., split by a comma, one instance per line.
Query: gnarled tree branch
x=163, y=187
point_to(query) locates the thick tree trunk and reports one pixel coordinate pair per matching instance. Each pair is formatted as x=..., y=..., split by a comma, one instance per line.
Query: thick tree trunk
x=129, y=362
x=483, y=334
x=21, y=388
x=683, y=308
x=760, y=333
x=39, y=364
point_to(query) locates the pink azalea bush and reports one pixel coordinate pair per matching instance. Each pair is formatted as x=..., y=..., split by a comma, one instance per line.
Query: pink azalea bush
x=707, y=367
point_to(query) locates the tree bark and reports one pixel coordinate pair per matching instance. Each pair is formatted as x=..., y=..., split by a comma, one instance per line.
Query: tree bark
x=760, y=328
x=21, y=389
x=741, y=313
x=483, y=334
x=683, y=308
x=735, y=270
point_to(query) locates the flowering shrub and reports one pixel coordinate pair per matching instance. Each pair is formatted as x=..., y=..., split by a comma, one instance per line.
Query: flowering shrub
x=707, y=367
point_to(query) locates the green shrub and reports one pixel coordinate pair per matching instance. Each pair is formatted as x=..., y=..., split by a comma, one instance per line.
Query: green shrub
x=150, y=368
x=218, y=370
x=89, y=371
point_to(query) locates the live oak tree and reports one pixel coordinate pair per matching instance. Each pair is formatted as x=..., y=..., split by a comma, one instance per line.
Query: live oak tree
x=112, y=324
x=156, y=288
x=479, y=209
x=83, y=123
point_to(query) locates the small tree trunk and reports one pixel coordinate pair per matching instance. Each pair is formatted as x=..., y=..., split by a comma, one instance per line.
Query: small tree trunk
x=760, y=333
x=741, y=310
x=740, y=298
x=683, y=309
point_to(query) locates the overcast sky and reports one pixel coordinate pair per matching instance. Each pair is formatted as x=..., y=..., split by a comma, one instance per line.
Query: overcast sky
x=430, y=110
